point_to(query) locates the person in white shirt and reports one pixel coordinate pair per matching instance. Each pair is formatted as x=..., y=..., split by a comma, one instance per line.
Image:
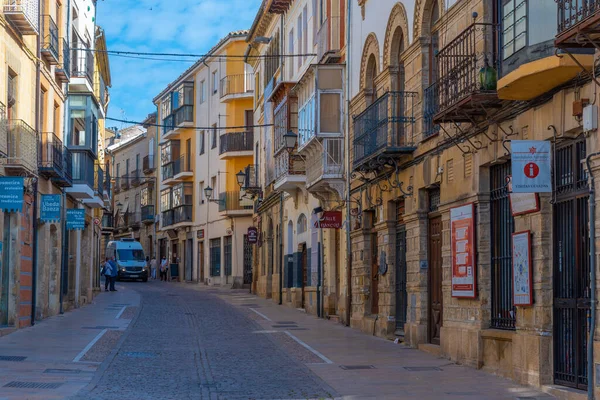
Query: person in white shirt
x=164, y=269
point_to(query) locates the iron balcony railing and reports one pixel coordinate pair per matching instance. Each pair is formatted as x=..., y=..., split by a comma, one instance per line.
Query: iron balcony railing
x=460, y=62
x=125, y=182
x=148, y=213
x=237, y=84
x=168, y=124
x=387, y=124
x=148, y=164
x=68, y=165
x=50, y=155
x=23, y=14
x=83, y=65
x=50, y=40
x=236, y=141
x=135, y=177
x=329, y=37
x=176, y=167
x=108, y=221
x=83, y=168
x=98, y=180
x=326, y=165
x=3, y=131
x=63, y=69
x=430, y=108
x=251, y=182
x=571, y=13
x=287, y=164
x=22, y=146
x=134, y=219
x=178, y=215
x=107, y=184
x=184, y=114
x=233, y=201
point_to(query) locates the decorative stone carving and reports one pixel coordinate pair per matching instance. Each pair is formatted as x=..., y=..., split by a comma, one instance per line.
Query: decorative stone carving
x=371, y=47
x=398, y=19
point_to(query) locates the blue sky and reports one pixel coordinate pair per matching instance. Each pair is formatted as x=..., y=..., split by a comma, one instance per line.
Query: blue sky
x=166, y=26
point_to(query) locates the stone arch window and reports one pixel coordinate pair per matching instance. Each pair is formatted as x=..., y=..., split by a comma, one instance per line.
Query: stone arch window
x=370, y=88
x=302, y=224
x=369, y=68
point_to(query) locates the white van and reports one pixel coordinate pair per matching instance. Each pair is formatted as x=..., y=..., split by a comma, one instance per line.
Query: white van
x=130, y=259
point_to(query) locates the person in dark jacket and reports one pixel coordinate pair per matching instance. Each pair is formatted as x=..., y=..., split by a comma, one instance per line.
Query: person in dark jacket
x=114, y=274
x=107, y=272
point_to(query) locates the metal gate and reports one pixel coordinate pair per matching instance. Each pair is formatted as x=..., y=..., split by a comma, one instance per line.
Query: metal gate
x=247, y=261
x=571, y=266
x=502, y=227
x=401, y=297
x=435, y=278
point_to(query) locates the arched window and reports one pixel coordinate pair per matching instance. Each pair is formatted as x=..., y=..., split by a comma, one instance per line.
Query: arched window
x=302, y=224
x=370, y=82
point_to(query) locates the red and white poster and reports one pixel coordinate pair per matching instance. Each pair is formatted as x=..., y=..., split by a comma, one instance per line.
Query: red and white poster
x=462, y=227
x=522, y=271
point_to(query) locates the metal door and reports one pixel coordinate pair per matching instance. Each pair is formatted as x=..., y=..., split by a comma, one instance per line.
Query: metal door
x=435, y=314
x=571, y=267
x=247, y=261
x=304, y=258
x=401, y=297
x=374, y=276
x=188, y=260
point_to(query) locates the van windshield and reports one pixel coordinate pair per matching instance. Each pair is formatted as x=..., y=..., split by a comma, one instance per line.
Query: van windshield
x=131, y=255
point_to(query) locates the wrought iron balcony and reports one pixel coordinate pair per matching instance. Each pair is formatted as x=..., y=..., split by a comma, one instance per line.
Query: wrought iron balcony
x=22, y=152
x=23, y=14
x=148, y=164
x=134, y=219
x=234, y=203
x=125, y=182
x=251, y=182
x=329, y=39
x=327, y=165
x=67, y=178
x=237, y=85
x=168, y=124
x=173, y=169
x=467, y=69
x=430, y=108
x=148, y=214
x=135, y=177
x=385, y=128
x=83, y=65
x=290, y=171
x=178, y=215
x=108, y=222
x=83, y=168
x=50, y=40
x=578, y=23
x=236, y=142
x=107, y=185
x=51, y=162
x=98, y=180
x=184, y=115
x=3, y=131
x=63, y=69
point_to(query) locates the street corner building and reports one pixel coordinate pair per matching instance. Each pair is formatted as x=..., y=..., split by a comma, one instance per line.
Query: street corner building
x=53, y=98
x=206, y=141
x=400, y=119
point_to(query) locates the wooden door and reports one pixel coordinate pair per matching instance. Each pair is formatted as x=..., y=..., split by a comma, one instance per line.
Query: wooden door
x=304, y=258
x=201, y=260
x=435, y=312
x=374, y=276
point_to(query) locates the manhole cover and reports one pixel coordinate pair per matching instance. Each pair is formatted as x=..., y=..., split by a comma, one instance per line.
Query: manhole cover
x=355, y=367
x=138, y=354
x=12, y=358
x=33, y=385
x=422, y=369
x=62, y=371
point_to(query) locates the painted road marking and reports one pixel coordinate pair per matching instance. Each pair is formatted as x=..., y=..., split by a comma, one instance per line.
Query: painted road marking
x=89, y=346
x=120, y=312
x=315, y=352
x=261, y=314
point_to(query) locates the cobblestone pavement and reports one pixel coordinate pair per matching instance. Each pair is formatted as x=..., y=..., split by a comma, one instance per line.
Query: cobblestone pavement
x=188, y=344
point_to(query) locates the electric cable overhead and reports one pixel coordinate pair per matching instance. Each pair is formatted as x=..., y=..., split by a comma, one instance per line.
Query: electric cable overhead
x=198, y=128
x=224, y=56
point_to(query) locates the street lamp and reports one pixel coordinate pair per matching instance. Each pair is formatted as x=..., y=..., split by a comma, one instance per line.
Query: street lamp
x=208, y=192
x=290, y=139
x=241, y=178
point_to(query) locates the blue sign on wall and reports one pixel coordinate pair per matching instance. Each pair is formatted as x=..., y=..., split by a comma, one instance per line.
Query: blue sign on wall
x=50, y=208
x=11, y=194
x=531, y=166
x=75, y=219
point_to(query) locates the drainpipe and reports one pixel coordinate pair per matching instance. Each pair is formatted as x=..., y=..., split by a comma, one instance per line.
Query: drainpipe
x=347, y=130
x=38, y=125
x=590, y=343
x=280, y=248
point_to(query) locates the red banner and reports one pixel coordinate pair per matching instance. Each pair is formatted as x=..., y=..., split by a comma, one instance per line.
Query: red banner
x=462, y=225
x=330, y=220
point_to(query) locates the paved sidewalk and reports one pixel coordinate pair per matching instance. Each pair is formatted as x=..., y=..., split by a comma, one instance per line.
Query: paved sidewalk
x=57, y=357
x=360, y=366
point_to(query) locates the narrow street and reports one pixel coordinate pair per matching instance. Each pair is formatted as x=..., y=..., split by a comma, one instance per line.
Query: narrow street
x=178, y=341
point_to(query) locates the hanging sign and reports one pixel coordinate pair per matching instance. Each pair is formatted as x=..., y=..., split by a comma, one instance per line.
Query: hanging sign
x=531, y=166
x=522, y=203
x=522, y=272
x=330, y=220
x=200, y=234
x=463, y=251
x=11, y=194
x=75, y=219
x=252, y=235
x=50, y=208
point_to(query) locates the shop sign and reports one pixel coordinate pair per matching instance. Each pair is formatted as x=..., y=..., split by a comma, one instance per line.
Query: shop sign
x=462, y=225
x=11, y=194
x=522, y=272
x=531, y=166
x=252, y=235
x=330, y=220
x=50, y=208
x=75, y=219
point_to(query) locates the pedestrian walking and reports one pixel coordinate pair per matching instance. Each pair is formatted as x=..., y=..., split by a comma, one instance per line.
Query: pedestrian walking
x=114, y=274
x=106, y=272
x=163, y=269
x=153, y=267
